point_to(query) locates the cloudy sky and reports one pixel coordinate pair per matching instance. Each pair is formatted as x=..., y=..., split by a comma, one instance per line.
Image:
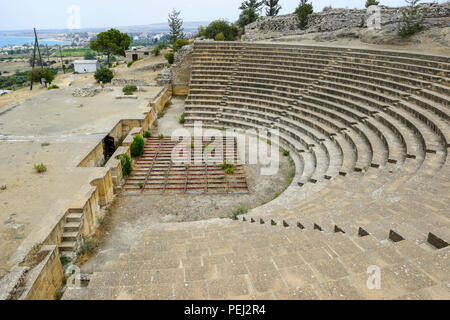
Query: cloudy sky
x=55, y=14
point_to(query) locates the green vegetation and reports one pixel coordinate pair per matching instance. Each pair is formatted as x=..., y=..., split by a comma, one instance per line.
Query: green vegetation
x=3, y=187
x=227, y=165
x=372, y=3
x=219, y=37
x=180, y=43
x=140, y=185
x=129, y=89
x=219, y=26
x=40, y=168
x=129, y=64
x=250, y=12
x=111, y=42
x=272, y=7
x=229, y=170
x=303, y=10
x=126, y=164
x=53, y=86
x=137, y=147
x=286, y=153
x=411, y=21
x=64, y=260
x=175, y=26
x=37, y=74
x=181, y=120
x=147, y=134
x=161, y=136
x=78, y=52
x=16, y=80
x=169, y=57
x=103, y=75
x=238, y=212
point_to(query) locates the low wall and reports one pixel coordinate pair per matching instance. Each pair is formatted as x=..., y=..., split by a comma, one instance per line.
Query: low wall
x=96, y=158
x=45, y=279
x=336, y=19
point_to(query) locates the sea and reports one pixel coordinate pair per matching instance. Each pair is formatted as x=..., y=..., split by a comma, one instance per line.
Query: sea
x=6, y=41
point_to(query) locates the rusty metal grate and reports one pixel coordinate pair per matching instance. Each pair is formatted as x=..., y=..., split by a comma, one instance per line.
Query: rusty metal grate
x=156, y=173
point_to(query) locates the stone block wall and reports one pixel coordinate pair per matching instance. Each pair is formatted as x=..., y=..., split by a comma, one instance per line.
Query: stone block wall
x=46, y=278
x=336, y=19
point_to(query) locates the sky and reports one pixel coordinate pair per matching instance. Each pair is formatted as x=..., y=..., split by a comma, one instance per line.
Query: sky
x=59, y=14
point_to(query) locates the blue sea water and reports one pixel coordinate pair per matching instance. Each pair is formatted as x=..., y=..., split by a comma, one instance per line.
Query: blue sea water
x=18, y=41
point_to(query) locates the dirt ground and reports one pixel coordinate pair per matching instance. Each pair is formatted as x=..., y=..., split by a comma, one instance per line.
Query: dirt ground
x=132, y=215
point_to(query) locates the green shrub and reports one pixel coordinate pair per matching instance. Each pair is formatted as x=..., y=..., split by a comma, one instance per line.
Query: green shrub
x=229, y=170
x=303, y=10
x=156, y=51
x=169, y=57
x=126, y=164
x=180, y=43
x=219, y=37
x=147, y=134
x=104, y=75
x=129, y=64
x=286, y=153
x=372, y=3
x=129, y=89
x=161, y=136
x=137, y=147
x=53, y=86
x=140, y=185
x=40, y=168
x=411, y=21
x=37, y=74
x=181, y=120
x=229, y=31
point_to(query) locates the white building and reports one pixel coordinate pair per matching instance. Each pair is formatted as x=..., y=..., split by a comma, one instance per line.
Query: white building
x=83, y=66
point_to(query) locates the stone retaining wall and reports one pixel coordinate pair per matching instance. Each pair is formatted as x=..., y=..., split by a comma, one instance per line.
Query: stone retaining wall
x=336, y=19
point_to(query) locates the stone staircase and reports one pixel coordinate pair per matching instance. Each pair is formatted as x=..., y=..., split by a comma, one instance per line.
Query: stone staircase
x=71, y=237
x=224, y=259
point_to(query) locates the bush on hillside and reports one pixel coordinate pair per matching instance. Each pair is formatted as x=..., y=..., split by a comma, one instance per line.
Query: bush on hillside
x=219, y=26
x=170, y=57
x=126, y=164
x=180, y=43
x=129, y=89
x=104, y=75
x=37, y=74
x=137, y=147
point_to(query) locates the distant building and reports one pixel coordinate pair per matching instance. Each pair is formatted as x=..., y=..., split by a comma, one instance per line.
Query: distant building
x=84, y=66
x=134, y=54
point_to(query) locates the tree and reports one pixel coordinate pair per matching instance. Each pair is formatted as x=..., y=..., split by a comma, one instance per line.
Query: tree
x=37, y=74
x=411, y=21
x=219, y=26
x=303, y=10
x=250, y=12
x=103, y=75
x=111, y=42
x=89, y=56
x=372, y=3
x=272, y=7
x=175, y=26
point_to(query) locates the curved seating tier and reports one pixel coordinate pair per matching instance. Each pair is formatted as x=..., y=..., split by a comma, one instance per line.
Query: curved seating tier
x=370, y=120
x=369, y=133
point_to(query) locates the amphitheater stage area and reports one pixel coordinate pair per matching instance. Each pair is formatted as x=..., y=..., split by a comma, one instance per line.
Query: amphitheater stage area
x=58, y=130
x=366, y=216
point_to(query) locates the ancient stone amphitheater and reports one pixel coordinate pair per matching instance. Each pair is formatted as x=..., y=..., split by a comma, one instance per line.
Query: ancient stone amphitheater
x=369, y=131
